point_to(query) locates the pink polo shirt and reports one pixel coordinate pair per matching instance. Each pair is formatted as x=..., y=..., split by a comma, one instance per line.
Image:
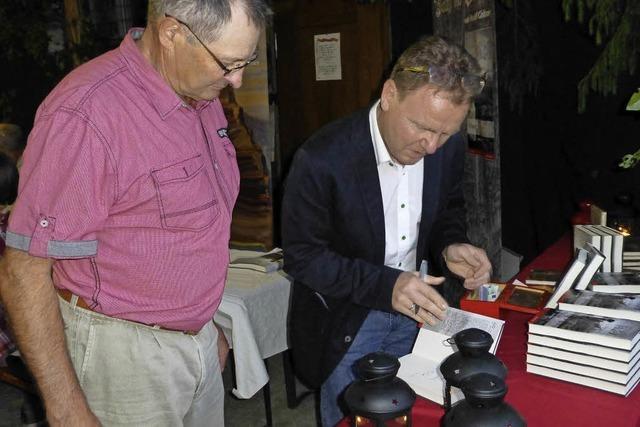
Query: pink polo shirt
x=130, y=191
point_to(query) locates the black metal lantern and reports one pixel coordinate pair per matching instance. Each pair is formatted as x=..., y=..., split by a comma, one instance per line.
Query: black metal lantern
x=472, y=358
x=483, y=405
x=378, y=398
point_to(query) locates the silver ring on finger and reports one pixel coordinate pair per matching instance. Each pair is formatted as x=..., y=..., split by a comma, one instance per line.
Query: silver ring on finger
x=415, y=308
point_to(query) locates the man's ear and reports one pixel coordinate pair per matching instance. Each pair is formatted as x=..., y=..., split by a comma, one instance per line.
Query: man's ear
x=168, y=30
x=389, y=94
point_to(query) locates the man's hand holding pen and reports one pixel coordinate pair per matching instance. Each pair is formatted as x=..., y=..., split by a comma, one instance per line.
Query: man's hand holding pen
x=415, y=296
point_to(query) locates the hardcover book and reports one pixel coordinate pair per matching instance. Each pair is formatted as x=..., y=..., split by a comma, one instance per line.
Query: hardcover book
x=618, y=306
x=623, y=282
x=569, y=277
x=622, y=389
x=585, y=370
x=420, y=369
x=606, y=244
x=584, y=359
x=613, y=354
x=583, y=234
x=631, y=246
x=586, y=328
x=616, y=246
x=595, y=259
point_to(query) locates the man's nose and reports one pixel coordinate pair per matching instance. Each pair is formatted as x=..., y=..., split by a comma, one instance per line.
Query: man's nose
x=430, y=143
x=235, y=78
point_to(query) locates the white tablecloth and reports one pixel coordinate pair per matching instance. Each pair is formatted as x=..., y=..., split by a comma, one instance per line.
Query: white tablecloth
x=253, y=316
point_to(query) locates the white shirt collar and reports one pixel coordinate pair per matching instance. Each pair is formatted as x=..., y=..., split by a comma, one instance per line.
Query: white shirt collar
x=380, y=150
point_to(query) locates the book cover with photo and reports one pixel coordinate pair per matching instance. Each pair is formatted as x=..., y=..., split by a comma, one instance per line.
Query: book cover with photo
x=620, y=306
x=587, y=328
x=543, y=277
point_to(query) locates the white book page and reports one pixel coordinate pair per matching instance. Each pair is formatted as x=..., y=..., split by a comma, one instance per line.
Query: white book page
x=421, y=368
x=424, y=377
x=458, y=320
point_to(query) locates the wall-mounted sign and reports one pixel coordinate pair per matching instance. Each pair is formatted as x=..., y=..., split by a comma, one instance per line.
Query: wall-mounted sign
x=327, y=55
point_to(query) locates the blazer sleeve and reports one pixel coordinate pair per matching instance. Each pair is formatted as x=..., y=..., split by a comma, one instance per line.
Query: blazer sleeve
x=316, y=236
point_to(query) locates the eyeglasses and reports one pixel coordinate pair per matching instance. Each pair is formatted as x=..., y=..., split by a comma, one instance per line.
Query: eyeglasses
x=440, y=76
x=226, y=70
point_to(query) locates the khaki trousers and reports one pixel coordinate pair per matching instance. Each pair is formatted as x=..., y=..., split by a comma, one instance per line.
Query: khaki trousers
x=137, y=375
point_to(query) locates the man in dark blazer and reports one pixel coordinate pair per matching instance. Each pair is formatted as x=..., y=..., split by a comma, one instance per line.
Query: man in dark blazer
x=368, y=198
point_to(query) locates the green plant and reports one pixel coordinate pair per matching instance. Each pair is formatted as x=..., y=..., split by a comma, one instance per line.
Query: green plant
x=630, y=160
x=614, y=24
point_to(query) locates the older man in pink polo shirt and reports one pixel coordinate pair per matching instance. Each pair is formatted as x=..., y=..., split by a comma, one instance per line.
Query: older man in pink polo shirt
x=121, y=229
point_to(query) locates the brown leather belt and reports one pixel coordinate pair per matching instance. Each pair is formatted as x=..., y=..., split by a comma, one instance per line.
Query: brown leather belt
x=66, y=295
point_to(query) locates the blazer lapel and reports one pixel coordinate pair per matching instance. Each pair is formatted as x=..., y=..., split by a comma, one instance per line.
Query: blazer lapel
x=430, y=197
x=369, y=183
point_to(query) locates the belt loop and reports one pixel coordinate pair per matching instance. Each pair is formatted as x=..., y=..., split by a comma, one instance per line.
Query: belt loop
x=74, y=300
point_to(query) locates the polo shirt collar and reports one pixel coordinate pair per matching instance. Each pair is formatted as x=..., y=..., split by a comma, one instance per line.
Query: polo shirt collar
x=158, y=91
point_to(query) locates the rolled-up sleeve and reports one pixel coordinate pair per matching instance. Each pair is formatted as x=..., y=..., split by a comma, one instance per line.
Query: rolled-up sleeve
x=67, y=183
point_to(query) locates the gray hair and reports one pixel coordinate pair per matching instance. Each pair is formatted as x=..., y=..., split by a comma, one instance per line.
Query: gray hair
x=207, y=18
x=443, y=54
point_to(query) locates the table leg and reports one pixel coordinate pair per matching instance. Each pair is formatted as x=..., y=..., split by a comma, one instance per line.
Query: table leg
x=266, y=393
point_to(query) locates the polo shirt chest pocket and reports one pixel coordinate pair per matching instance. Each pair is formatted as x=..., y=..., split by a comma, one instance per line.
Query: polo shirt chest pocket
x=185, y=194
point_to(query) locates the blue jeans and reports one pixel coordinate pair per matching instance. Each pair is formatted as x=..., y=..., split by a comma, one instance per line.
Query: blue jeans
x=393, y=333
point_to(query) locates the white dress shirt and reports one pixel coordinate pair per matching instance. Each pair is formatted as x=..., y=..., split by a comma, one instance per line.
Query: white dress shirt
x=401, y=188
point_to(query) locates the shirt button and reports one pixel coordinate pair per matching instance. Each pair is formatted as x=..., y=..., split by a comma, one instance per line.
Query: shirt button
x=399, y=264
x=347, y=339
x=402, y=206
x=403, y=237
x=390, y=163
x=44, y=223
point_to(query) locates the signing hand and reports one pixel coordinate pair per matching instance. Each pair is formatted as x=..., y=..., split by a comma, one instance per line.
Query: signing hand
x=468, y=262
x=409, y=289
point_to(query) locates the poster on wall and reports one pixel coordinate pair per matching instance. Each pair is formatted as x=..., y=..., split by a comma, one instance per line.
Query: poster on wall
x=327, y=56
x=477, y=35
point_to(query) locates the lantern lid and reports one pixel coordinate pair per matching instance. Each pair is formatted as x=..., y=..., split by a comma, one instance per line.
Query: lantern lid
x=473, y=341
x=484, y=389
x=378, y=394
x=377, y=366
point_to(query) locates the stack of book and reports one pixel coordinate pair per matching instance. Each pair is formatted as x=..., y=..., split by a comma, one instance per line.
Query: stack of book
x=605, y=239
x=589, y=334
x=631, y=254
x=586, y=349
x=262, y=262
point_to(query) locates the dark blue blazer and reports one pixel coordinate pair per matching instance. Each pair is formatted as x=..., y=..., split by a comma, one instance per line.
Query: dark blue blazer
x=333, y=236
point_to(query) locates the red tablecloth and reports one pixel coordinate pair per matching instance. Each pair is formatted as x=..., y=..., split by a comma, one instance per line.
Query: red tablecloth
x=544, y=401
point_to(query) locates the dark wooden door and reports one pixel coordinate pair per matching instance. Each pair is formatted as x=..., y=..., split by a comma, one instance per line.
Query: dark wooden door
x=304, y=104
